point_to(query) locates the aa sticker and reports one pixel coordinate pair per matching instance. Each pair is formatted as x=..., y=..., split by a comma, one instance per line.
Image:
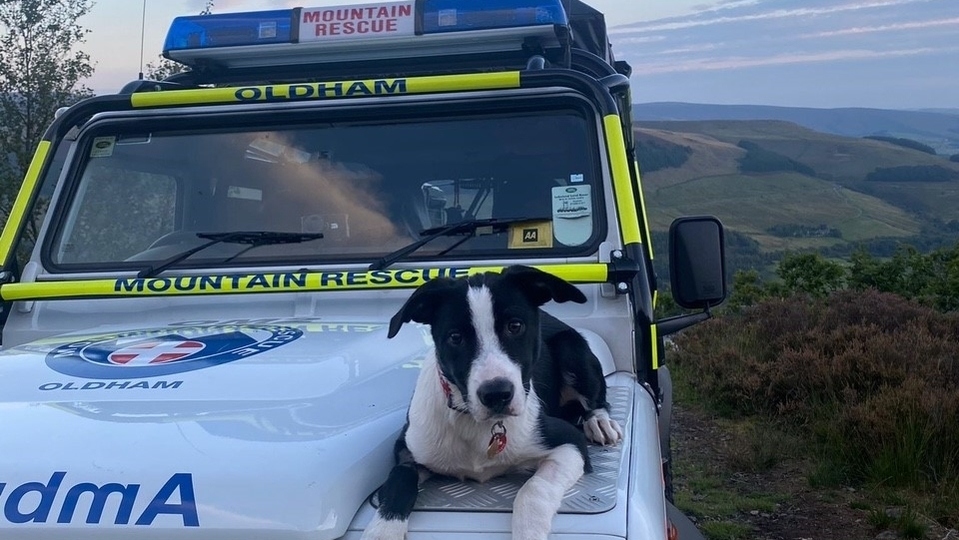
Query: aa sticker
x=102, y=146
x=572, y=214
x=531, y=234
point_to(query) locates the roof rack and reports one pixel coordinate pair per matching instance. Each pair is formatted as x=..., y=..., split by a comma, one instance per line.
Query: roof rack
x=399, y=38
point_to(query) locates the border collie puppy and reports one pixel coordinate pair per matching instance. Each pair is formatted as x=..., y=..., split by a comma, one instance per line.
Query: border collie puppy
x=503, y=390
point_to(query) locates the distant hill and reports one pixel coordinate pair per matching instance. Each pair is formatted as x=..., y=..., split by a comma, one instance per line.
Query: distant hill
x=824, y=195
x=941, y=111
x=936, y=128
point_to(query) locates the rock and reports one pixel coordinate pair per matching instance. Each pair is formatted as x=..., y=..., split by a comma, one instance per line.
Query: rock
x=887, y=535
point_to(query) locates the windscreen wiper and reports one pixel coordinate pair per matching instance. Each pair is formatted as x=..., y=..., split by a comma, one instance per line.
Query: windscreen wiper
x=253, y=239
x=468, y=228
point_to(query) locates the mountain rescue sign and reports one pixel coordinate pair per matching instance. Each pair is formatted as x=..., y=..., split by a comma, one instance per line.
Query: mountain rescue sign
x=357, y=22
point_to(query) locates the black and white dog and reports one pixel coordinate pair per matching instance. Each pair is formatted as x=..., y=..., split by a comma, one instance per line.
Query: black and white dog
x=502, y=391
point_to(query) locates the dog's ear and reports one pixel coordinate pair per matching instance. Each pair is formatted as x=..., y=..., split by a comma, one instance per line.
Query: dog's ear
x=541, y=287
x=421, y=305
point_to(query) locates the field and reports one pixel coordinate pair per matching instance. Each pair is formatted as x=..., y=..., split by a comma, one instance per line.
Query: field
x=835, y=198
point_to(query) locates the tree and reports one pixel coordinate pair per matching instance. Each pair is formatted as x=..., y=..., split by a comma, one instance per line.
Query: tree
x=165, y=67
x=747, y=290
x=40, y=71
x=810, y=273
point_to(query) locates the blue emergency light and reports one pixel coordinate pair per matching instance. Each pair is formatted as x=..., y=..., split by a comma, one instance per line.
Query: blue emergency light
x=406, y=28
x=230, y=29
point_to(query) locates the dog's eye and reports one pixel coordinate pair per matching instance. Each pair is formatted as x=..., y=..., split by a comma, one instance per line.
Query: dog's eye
x=454, y=338
x=515, y=327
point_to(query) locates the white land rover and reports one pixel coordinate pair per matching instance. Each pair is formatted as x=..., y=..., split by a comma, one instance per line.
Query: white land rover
x=198, y=272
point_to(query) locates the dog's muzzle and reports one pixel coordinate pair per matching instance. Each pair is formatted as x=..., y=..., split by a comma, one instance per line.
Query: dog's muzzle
x=496, y=395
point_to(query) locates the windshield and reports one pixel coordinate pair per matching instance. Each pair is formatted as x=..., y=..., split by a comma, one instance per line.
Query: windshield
x=368, y=187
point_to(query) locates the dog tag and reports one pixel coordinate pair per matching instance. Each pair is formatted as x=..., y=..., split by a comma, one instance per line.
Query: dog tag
x=497, y=442
x=496, y=445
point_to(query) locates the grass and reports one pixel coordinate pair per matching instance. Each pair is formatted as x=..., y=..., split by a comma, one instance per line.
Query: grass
x=726, y=530
x=905, y=521
x=827, y=474
x=880, y=519
x=757, y=449
x=909, y=525
x=706, y=496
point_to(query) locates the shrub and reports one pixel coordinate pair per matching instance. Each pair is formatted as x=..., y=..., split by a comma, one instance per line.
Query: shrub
x=810, y=273
x=932, y=279
x=758, y=159
x=872, y=378
x=913, y=173
x=905, y=143
x=656, y=154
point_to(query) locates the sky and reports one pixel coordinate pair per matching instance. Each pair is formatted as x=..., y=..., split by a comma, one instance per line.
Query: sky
x=893, y=54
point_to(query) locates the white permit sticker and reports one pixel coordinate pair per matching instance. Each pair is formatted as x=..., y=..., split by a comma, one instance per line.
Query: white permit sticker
x=250, y=194
x=572, y=214
x=102, y=146
x=267, y=30
x=446, y=17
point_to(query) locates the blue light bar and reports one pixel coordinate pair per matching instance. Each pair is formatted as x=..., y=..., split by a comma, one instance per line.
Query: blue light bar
x=459, y=15
x=230, y=30
x=386, y=30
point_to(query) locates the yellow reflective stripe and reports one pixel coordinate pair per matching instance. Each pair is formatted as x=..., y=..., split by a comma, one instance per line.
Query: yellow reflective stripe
x=328, y=90
x=622, y=181
x=184, y=97
x=269, y=282
x=574, y=273
x=19, y=211
x=458, y=83
x=654, y=340
x=642, y=205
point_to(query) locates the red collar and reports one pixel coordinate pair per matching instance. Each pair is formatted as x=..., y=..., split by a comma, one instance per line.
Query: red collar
x=447, y=390
x=497, y=441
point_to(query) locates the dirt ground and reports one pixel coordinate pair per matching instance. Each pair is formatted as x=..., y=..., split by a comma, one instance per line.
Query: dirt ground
x=728, y=502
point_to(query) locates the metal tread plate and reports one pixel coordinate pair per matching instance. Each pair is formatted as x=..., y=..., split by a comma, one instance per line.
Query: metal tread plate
x=593, y=493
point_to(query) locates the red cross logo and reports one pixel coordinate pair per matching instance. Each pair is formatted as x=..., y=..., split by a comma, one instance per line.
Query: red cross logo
x=155, y=352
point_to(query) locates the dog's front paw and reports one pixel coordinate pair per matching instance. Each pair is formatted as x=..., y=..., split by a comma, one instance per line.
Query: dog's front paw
x=385, y=529
x=601, y=429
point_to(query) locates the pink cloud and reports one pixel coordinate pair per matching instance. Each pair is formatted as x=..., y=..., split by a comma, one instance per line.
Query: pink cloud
x=884, y=28
x=776, y=14
x=715, y=64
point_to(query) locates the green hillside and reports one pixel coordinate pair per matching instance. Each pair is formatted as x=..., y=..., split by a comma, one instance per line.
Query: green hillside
x=755, y=204
x=936, y=128
x=833, y=207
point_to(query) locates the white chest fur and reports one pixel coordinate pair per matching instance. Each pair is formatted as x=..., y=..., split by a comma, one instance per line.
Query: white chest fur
x=452, y=443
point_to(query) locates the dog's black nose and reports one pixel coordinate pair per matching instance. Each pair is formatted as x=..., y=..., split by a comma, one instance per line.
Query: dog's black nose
x=496, y=394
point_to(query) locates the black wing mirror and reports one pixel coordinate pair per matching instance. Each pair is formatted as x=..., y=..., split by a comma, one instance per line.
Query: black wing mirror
x=697, y=262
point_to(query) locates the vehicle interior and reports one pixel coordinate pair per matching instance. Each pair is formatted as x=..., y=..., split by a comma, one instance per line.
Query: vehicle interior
x=368, y=188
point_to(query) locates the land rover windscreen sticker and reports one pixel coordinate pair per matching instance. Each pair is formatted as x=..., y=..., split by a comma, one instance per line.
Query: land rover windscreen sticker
x=572, y=214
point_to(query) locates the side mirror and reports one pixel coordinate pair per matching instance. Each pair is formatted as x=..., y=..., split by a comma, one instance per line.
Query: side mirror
x=697, y=262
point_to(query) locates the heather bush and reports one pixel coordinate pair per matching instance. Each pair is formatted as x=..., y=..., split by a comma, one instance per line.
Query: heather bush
x=871, y=377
